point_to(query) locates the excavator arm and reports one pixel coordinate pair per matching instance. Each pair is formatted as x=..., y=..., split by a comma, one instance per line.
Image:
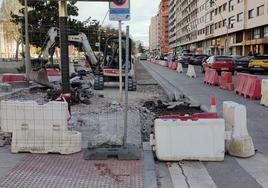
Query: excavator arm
x=38, y=73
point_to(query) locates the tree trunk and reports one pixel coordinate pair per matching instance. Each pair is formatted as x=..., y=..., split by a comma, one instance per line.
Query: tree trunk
x=17, y=50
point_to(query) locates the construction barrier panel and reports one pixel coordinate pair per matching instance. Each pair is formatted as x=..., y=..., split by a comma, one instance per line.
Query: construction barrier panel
x=177, y=140
x=163, y=63
x=9, y=78
x=211, y=77
x=226, y=81
x=264, y=92
x=248, y=86
x=169, y=64
x=191, y=71
x=39, y=128
x=179, y=68
x=238, y=141
x=53, y=72
x=174, y=65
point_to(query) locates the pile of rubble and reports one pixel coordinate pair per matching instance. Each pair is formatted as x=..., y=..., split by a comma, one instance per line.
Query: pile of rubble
x=81, y=88
x=153, y=109
x=5, y=138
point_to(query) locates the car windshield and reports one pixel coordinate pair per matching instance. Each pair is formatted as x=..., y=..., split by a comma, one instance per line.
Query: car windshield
x=223, y=58
x=246, y=58
x=261, y=58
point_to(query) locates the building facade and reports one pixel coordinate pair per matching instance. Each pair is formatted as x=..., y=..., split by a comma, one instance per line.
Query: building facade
x=219, y=26
x=10, y=39
x=154, y=45
x=163, y=23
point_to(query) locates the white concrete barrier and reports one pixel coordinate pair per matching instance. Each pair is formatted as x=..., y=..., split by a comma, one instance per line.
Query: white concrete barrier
x=177, y=140
x=191, y=71
x=39, y=128
x=15, y=113
x=179, y=68
x=239, y=142
x=264, y=92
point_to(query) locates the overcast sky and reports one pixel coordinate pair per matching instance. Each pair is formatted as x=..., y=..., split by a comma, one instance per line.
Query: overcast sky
x=141, y=12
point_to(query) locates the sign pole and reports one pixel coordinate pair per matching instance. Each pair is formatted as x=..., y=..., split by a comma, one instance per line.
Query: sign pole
x=126, y=85
x=64, y=52
x=120, y=61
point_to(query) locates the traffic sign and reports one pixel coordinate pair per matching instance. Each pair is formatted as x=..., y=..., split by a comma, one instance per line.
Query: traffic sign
x=120, y=10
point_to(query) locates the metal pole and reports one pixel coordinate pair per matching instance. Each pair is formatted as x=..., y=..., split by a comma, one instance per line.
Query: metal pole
x=27, y=45
x=100, y=32
x=120, y=61
x=126, y=85
x=64, y=47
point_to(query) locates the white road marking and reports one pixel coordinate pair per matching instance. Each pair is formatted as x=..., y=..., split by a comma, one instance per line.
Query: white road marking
x=196, y=175
x=177, y=177
x=257, y=167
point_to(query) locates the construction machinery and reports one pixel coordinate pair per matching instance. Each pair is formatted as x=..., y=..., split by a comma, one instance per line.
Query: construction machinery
x=106, y=70
x=39, y=65
x=110, y=65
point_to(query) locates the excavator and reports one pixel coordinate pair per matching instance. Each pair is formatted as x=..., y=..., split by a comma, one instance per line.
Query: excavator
x=106, y=70
x=39, y=65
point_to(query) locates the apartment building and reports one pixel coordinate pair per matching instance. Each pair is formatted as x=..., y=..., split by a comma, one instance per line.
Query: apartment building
x=154, y=45
x=163, y=23
x=220, y=26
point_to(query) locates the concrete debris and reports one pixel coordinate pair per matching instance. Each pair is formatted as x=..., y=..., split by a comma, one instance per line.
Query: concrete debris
x=5, y=87
x=81, y=91
x=105, y=139
x=5, y=138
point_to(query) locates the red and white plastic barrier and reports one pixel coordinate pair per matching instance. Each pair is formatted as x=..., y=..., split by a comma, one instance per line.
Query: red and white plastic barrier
x=179, y=68
x=211, y=77
x=264, y=92
x=11, y=78
x=226, y=81
x=248, y=86
x=191, y=71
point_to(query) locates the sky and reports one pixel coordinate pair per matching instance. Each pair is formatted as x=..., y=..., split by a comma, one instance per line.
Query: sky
x=141, y=13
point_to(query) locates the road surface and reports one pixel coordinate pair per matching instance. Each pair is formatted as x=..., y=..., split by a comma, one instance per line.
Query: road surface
x=233, y=172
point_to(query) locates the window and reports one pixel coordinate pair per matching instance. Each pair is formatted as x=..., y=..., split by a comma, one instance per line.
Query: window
x=265, y=32
x=224, y=6
x=231, y=5
x=224, y=22
x=250, y=13
x=257, y=33
x=231, y=22
x=240, y=17
x=260, y=10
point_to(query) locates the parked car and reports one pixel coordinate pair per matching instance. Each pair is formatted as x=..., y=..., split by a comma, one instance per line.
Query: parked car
x=143, y=57
x=199, y=58
x=220, y=63
x=236, y=57
x=185, y=60
x=258, y=63
x=242, y=63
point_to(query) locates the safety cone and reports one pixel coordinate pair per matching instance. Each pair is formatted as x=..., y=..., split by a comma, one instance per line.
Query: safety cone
x=213, y=105
x=191, y=71
x=179, y=68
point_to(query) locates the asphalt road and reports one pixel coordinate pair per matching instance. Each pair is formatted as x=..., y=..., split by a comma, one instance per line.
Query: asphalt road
x=232, y=172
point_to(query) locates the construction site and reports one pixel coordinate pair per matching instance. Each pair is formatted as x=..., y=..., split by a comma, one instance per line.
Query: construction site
x=87, y=106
